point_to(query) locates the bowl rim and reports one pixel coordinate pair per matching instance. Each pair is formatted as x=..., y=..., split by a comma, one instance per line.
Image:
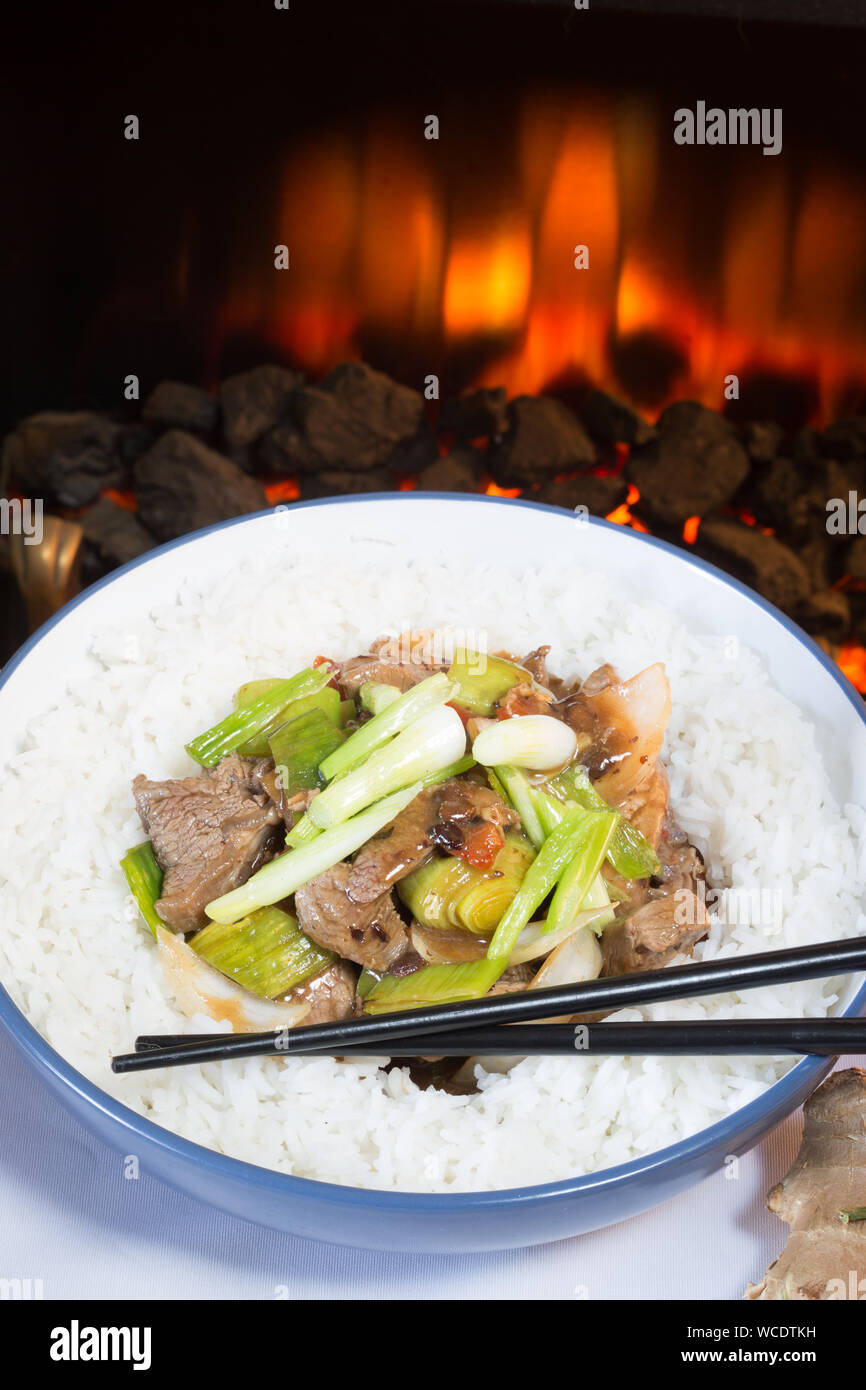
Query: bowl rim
x=780, y=1097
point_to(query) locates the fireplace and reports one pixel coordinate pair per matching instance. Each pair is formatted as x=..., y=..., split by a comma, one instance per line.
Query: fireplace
x=610, y=258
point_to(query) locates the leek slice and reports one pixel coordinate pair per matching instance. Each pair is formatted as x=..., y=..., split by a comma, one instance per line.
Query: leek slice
x=434, y=984
x=448, y=892
x=299, y=746
x=266, y=952
x=327, y=700
x=256, y=717
x=144, y=876
x=482, y=680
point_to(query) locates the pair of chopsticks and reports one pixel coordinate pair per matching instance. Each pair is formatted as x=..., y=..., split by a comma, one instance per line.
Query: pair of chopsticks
x=481, y=1027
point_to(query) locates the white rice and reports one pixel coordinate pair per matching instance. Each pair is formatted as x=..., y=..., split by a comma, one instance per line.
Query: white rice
x=746, y=783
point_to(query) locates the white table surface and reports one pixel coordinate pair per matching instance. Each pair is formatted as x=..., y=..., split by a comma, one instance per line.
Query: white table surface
x=70, y=1218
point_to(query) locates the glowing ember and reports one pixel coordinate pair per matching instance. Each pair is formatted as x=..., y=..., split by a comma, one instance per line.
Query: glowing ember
x=690, y=529
x=127, y=500
x=622, y=515
x=494, y=490
x=852, y=663
x=284, y=490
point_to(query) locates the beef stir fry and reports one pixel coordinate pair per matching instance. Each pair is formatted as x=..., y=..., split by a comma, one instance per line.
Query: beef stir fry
x=391, y=831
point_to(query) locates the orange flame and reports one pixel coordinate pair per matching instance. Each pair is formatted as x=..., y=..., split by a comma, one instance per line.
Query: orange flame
x=622, y=515
x=852, y=662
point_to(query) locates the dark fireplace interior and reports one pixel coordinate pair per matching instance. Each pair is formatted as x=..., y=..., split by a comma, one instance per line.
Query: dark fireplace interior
x=698, y=370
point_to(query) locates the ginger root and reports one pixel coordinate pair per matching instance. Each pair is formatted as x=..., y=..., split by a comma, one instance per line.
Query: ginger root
x=825, y=1257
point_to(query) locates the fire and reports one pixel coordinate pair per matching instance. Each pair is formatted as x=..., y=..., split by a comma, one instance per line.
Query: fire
x=487, y=284
x=477, y=273
x=690, y=529
x=622, y=515
x=851, y=660
x=283, y=490
x=494, y=490
x=127, y=500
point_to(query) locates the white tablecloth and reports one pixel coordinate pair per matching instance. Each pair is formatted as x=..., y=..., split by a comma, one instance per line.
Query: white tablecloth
x=70, y=1218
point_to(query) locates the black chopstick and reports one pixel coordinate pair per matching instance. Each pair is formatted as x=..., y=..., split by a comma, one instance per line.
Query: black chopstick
x=826, y=1037
x=384, y=1033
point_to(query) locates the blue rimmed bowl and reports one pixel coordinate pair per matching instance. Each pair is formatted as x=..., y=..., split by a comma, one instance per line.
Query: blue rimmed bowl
x=458, y=527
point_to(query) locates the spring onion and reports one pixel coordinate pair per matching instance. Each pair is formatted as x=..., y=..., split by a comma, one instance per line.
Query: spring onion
x=303, y=832
x=366, y=981
x=579, y=875
x=482, y=680
x=265, y=952
x=299, y=746
x=543, y=874
x=448, y=892
x=376, y=697
x=514, y=787
x=446, y=773
x=327, y=700
x=144, y=876
x=297, y=866
x=430, y=744
x=254, y=718
x=412, y=705
x=434, y=984
x=630, y=852
x=534, y=741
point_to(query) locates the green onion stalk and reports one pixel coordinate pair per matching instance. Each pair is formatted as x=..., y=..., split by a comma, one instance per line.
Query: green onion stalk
x=307, y=830
x=327, y=700
x=256, y=717
x=376, y=697
x=144, y=876
x=429, y=745
x=409, y=707
x=630, y=853
x=579, y=876
x=558, y=850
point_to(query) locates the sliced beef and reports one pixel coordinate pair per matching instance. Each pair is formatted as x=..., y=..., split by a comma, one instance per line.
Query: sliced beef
x=371, y=933
x=402, y=661
x=209, y=833
x=383, y=669
x=291, y=808
x=682, y=866
x=646, y=805
x=652, y=936
x=513, y=980
x=331, y=994
x=536, y=664
x=438, y=816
